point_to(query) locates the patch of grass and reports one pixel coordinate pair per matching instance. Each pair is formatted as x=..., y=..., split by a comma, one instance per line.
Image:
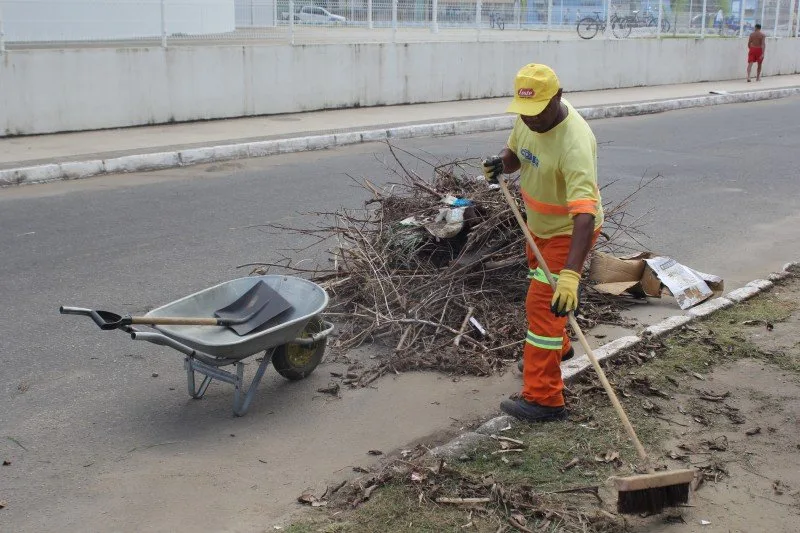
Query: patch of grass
x=393, y=509
x=591, y=434
x=720, y=339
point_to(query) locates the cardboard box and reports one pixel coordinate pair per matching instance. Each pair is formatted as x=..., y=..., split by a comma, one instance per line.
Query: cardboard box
x=647, y=275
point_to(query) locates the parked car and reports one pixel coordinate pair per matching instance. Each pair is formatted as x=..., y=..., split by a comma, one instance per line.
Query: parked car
x=315, y=15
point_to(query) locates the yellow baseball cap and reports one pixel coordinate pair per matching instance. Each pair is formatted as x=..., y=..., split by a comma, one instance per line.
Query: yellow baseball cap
x=534, y=87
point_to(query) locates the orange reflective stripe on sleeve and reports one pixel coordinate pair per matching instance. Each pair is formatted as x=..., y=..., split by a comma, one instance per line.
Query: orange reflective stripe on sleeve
x=582, y=206
x=543, y=208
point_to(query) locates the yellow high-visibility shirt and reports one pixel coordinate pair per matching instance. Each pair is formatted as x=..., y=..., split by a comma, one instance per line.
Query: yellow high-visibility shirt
x=558, y=177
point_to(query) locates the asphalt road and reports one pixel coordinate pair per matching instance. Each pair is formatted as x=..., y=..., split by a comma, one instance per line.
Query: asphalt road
x=97, y=443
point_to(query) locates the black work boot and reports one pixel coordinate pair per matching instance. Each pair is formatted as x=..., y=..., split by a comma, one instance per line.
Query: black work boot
x=526, y=411
x=566, y=357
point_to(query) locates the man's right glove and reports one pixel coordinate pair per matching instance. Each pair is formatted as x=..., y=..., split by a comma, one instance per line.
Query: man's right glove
x=492, y=168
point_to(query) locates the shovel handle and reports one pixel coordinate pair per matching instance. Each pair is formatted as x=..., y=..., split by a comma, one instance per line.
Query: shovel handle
x=179, y=321
x=575, y=327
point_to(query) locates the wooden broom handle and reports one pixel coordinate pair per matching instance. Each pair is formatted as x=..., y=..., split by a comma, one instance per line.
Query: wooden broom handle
x=575, y=327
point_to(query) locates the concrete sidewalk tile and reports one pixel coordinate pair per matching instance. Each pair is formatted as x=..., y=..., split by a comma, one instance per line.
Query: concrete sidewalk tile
x=665, y=326
x=195, y=156
x=761, y=284
x=444, y=128
x=290, y=146
x=791, y=267
x=576, y=366
x=496, y=425
x=320, y=142
x=406, y=132
x=141, y=162
x=778, y=276
x=463, y=444
x=711, y=306
x=374, y=135
x=82, y=169
x=228, y=152
x=32, y=174
x=741, y=294
x=262, y=148
x=343, y=139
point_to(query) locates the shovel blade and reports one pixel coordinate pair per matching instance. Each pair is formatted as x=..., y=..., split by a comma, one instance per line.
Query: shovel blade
x=254, y=308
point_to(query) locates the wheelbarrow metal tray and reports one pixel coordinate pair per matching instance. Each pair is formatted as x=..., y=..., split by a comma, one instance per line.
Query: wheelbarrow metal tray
x=307, y=299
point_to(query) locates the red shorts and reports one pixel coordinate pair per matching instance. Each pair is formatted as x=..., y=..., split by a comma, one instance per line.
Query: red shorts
x=755, y=55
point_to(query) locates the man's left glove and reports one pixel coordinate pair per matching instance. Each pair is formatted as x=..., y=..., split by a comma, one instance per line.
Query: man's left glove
x=492, y=168
x=567, y=294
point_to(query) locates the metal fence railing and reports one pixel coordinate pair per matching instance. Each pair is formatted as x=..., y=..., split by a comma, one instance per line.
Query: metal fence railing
x=31, y=23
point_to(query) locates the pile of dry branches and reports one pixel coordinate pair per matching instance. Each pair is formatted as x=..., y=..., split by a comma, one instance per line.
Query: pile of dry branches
x=452, y=302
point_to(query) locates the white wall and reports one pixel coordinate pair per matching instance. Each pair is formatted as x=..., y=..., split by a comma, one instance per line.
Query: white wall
x=81, y=20
x=46, y=91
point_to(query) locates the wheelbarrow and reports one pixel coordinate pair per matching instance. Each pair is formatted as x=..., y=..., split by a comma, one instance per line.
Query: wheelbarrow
x=293, y=342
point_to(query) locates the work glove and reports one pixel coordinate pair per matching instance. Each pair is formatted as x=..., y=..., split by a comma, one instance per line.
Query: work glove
x=492, y=168
x=567, y=294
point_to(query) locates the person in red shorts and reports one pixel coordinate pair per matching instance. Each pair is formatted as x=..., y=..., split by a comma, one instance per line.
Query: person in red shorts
x=756, y=45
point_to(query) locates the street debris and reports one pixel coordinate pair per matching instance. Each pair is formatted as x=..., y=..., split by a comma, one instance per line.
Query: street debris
x=375, y=452
x=575, y=461
x=768, y=325
x=332, y=389
x=3, y=504
x=6, y=462
x=308, y=498
x=753, y=431
x=719, y=444
x=646, y=275
x=609, y=457
x=711, y=397
x=435, y=270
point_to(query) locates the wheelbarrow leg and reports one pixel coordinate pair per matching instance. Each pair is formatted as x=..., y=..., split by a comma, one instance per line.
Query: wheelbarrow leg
x=240, y=406
x=196, y=393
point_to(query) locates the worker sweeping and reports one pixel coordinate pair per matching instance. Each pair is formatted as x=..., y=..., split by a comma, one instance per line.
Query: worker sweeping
x=556, y=153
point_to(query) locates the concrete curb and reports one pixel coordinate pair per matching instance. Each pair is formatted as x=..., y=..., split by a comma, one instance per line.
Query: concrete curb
x=466, y=443
x=195, y=156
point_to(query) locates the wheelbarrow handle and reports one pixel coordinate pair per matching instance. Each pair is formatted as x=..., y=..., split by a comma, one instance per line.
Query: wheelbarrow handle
x=100, y=321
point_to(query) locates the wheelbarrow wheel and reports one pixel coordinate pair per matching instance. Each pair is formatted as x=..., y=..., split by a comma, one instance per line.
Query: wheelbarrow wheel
x=297, y=361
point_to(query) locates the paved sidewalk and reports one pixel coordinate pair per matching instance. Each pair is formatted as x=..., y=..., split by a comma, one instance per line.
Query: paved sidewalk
x=40, y=149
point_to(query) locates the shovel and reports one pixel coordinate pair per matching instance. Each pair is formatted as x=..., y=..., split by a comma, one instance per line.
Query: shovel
x=248, y=313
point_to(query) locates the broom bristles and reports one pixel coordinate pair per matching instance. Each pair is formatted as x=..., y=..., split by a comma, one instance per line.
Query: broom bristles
x=652, y=500
x=651, y=493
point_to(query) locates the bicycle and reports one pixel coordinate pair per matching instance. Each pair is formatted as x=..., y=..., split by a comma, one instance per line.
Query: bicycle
x=634, y=21
x=496, y=19
x=665, y=25
x=588, y=27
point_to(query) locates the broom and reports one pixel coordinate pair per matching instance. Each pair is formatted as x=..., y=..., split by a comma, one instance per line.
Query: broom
x=644, y=493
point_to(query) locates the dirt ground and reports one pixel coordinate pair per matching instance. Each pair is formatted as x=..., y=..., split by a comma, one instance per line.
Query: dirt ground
x=722, y=396
x=749, y=442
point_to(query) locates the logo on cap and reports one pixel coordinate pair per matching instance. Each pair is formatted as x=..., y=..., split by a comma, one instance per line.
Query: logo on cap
x=526, y=93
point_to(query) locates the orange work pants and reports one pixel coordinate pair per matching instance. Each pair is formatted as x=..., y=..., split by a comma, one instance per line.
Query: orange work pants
x=547, y=340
